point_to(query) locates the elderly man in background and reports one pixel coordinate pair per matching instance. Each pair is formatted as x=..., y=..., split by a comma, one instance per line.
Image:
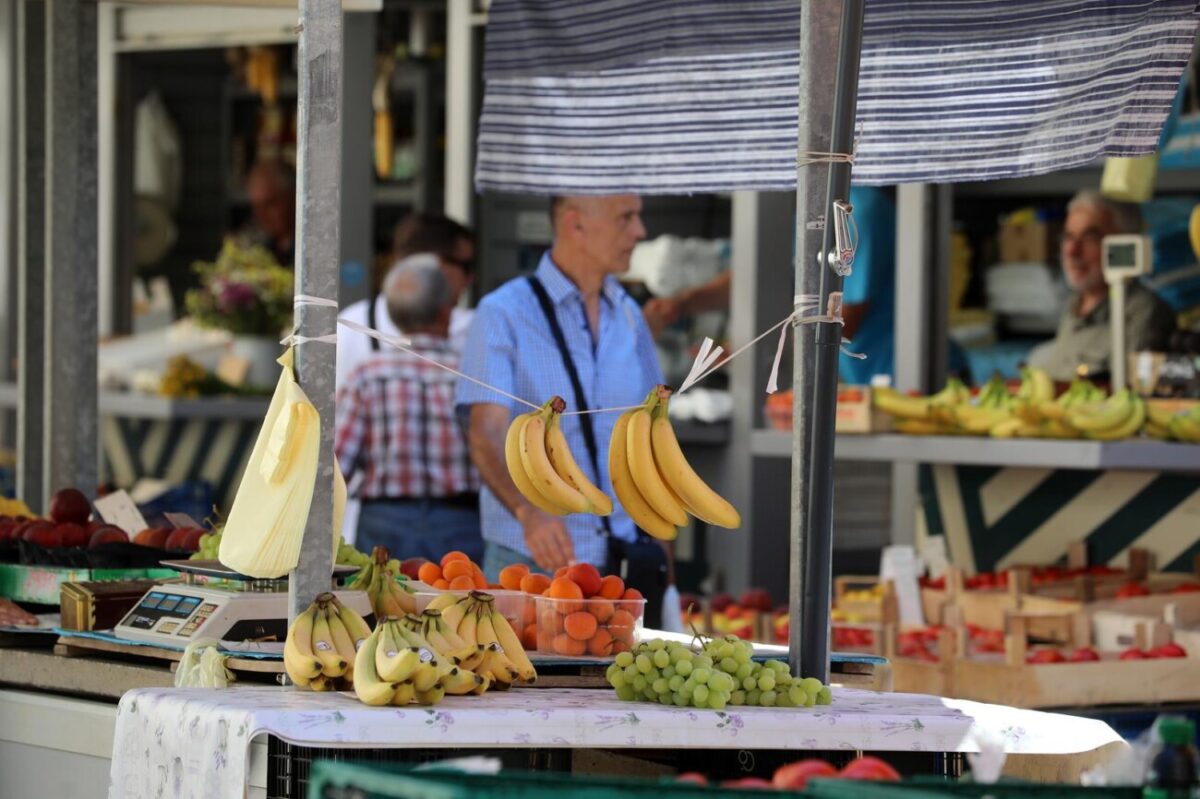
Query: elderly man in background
x=573, y=296
x=398, y=440
x=1084, y=336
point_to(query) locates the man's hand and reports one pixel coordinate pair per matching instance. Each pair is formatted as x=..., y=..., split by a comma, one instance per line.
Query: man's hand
x=11, y=614
x=662, y=312
x=547, y=538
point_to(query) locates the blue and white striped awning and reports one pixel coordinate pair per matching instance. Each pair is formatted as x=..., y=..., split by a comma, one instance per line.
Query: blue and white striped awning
x=678, y=96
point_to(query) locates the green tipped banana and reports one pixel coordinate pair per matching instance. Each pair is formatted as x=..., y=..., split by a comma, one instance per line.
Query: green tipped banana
x=1128, y=428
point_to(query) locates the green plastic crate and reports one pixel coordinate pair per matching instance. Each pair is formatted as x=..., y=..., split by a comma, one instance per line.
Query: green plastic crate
x=43, y=584
x=934, y=788
x=332, y=778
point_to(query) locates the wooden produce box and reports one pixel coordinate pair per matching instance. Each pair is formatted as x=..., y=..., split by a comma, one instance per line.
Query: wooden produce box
x=988, y=608
x=1168, y=617
x=856, y=413
x=1009, y=679
x=43, y=584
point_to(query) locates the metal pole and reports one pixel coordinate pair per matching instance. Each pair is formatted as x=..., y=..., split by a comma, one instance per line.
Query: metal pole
x=318, y=230
x=31, y=272
x=71, y=229
x=818, y=344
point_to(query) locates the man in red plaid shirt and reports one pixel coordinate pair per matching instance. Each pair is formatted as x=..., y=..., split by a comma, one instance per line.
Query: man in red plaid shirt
x=396, y=426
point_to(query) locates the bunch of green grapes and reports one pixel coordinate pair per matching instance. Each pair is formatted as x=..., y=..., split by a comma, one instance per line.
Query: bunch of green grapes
x=721, y=674
x=346, y=553
x=210, y=543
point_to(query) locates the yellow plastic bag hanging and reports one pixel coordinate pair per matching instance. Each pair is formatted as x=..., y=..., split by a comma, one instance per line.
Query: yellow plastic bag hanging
x=265, y=526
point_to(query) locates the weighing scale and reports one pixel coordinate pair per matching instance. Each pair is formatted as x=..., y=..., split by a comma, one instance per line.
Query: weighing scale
x=1124, y=257
x=213, y=601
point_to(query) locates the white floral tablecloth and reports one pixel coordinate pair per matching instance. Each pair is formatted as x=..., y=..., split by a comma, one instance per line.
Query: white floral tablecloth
x=176, y=742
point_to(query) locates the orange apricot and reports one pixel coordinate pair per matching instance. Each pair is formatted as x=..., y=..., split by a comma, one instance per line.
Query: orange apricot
x=566, y=645
x=612, y=587
x=463, y=582
x=602, y=609
x=454, y=555
x=510, y=576
x=458, y=568
x=601, y=643
x=534, y=583
x=586, y=577
x=581, y=626
x=429, y=573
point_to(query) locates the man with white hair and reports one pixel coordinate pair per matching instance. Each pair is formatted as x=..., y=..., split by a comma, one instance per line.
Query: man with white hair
x=1084, y=337
x=397, y=431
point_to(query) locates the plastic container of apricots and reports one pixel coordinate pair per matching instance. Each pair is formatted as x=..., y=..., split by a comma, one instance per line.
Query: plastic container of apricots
x=594, y=627
x=515, y=606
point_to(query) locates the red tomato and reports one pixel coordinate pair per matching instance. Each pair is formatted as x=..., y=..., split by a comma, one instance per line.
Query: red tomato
x=1186, y=588
x=869, y=768
x=1083, y=654
x=795, y=776
x=1131, y=589
x=1133, y=653
x=1168, y=651
x=1045, y=656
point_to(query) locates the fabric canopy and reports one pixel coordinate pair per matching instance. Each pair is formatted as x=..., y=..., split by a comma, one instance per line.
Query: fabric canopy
x=679, y=96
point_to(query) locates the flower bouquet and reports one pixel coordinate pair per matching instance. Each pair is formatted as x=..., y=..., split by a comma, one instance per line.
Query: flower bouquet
x=245, y=291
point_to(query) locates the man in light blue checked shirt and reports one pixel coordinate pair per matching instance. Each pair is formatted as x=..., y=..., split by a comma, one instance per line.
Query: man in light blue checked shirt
x=511, y=346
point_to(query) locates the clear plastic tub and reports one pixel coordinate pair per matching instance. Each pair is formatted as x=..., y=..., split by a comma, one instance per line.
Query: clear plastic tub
x=515, y=606
x=588, y=627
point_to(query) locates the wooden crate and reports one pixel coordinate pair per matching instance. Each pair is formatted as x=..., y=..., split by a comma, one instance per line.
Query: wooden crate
x=1116, y=623
x=913, y=676
x=1009, y=679
x=872, y=610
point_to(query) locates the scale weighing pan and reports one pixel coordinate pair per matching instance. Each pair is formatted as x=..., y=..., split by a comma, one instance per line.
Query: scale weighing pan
x=244, y=613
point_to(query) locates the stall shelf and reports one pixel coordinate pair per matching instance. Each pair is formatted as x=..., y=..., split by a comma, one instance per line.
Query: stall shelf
x=974, y=451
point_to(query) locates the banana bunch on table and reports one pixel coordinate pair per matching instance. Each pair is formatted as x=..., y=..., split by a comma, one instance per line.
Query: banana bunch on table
x=931, y=415
x=1166, y=424
x=322, y=644
x=462, y=646
x=388, y=591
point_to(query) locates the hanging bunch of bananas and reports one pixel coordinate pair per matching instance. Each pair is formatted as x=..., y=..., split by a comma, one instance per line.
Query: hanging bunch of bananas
x=463, y=647
x=387, y=589
x=322, y=644
x=653, y=480
x=1173, y=424
x=543, y=469
x=932, y=415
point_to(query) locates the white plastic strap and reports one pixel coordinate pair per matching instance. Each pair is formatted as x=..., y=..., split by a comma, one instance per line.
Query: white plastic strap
x=308, y=299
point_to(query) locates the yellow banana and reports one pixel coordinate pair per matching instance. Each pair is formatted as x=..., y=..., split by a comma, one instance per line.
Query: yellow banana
x=626, y=489
x=1158, y=415
x=430, y=696
x=1128, y=428
x=369, y=687
x=405, y=692
x=340, y=636
x=640, y=452
x=395, y=660
x=321, y=683
x=1008, y=428
x=450, y=636
x=332, y=662
x=467, y=626
x=682, y=479
x=461, y=681
x=565, y=465
x=1186, y=427
x=452, y=614
x=558, y=492
x=918, y=427
x=1157, y=432
x=1056, y=428
x=356, y=625
x=442, y=601
x=979, y=420
x=891, y=401
x=405, y=601
x=429, y=671
x=516, y=468
x=299, y=660
x=511, y=644
x=1112, y=412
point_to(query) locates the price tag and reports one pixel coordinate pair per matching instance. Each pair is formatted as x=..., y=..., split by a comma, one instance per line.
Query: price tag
x=179, y=520
x=233, y=369
x=899, y=564
x=118, y=508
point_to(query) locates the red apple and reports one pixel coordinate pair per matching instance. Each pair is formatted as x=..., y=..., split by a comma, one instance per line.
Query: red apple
x=411, y=567
x=1084, y=654
x=1171, y=650
x=795, y=776
x=869, y=768
x=688, y=600
x=1133, y=653
x=1045, y=656
x=70, y=505
x=42, y=533
x=95, y=524
x=107, y=535
x=73, y=535
x=186, y=539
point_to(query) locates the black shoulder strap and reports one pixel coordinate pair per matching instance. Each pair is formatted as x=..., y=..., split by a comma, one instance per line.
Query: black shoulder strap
x=371, y=321
x=585, y=420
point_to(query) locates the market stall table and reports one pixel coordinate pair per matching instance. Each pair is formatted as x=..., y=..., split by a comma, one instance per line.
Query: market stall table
x=195, y=742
